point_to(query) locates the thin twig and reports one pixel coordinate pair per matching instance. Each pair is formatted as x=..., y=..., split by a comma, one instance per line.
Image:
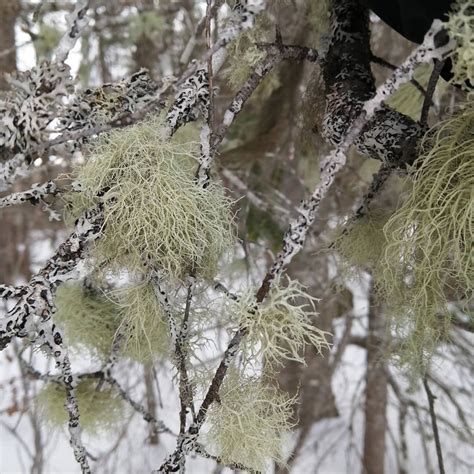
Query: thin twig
x=434, y=424
x=185, y=394
x=428, y=101
x=388, y=65
x=378, y=181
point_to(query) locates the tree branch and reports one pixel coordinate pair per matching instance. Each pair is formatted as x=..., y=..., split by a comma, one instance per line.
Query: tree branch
x=434, y=424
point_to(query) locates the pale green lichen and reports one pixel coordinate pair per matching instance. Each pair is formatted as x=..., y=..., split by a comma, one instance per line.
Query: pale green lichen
x=407, y=99
x=153, y=207
x=88, y=317
x=319, y=18
x=248, y=421
x=91, y=319
x=460, y=27
x=245, y=55
x=100, y=410
x=143, y=323
x=428, y=256
x=279, y=328
x=362, y=244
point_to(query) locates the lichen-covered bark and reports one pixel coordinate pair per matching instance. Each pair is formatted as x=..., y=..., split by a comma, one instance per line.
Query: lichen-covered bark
x=36, y=302
x=51, y=338
x=33, y=195
x=390, y=136
x=294, y=238
x=77, y=21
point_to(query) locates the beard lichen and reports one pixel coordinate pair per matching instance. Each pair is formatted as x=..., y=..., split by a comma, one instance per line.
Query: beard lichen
x=143, y=323
x=247, y=423
x=363, y=245
x=100, y=410
x=91, y=319
x=245, y=55
x=279, y=328
x=428, y=256
x=460, y=27
x=153, y=207
x=407, y=99
x=88, y=317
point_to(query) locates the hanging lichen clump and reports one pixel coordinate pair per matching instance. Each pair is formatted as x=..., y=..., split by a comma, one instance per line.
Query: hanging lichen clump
x=245, y=55
x=101, y=410
x=279, y=328
x=246, y=425
x=89, y=317
x=362, y=244
x=460, y=27
x=152, y=205
x=428, y=256
x=143, y=323
x=408, y=99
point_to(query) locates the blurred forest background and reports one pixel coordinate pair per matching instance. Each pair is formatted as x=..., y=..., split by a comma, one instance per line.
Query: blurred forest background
x=362, y=406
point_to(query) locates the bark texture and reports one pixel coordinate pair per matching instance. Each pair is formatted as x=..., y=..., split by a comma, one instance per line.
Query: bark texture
x=389, y=136
x=376, y=391
x=9, y=11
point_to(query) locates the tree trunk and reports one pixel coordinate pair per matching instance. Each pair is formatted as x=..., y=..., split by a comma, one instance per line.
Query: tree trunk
x=11, y=257
x=8, y=13
x=376, y=391
x=150, y=401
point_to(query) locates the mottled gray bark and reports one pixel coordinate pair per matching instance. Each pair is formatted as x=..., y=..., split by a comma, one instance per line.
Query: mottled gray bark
x=389, y=136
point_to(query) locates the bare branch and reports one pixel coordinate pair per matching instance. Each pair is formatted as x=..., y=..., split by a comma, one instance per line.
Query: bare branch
x=434, y=424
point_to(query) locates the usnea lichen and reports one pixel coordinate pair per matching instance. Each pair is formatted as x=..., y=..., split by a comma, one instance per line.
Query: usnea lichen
x=152, y=204
x=91, y=320
x=279, y=328
x=246, y=425
x=143, y=323
x=460, y=27
x=245, y=55
x=88, y=317
x=100, y=410
x=407, y=99
x=363, y=245
x=428, y=257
